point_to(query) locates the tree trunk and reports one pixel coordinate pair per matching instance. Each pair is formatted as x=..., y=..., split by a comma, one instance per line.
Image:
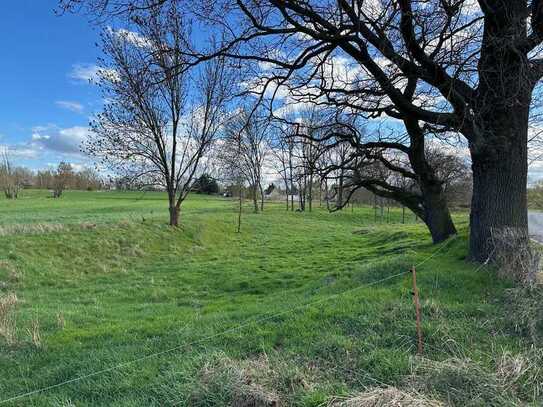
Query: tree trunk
x=436, y=215
x=499, y=198
x=301, y=196
x=261, y=197
x=174, y=215
x=310, y=193
x=255, y=198
x=498, y=145
x=435, y=210
x=240, y=208
x=339, y=198
x=286, y=191
x=320, y=193
x=326, y=194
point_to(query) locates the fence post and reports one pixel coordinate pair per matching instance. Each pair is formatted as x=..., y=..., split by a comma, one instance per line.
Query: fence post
x=417, y=310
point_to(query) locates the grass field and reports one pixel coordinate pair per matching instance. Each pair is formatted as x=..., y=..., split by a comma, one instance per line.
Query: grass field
x=293, y=308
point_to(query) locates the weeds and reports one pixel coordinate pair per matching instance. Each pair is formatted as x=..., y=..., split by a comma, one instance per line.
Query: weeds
x=525, y=311
x=34, y=333
x=515, y=255
x=61, y=323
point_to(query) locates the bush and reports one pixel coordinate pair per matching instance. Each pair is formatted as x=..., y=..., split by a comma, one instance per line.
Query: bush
x=206, y=184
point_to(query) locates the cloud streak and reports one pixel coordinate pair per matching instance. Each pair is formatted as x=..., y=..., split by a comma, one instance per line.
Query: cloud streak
x=85, y=72
x=72, y=106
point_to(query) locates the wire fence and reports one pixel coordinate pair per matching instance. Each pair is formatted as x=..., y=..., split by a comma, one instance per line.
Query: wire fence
x=247, y=323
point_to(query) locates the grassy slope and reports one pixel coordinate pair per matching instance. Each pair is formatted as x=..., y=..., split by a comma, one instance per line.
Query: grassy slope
x=127, y=288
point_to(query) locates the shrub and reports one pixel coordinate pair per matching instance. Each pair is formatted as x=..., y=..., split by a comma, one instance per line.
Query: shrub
x=206, y=184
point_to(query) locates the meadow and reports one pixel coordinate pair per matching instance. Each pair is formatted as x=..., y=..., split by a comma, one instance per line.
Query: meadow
x=298, y=309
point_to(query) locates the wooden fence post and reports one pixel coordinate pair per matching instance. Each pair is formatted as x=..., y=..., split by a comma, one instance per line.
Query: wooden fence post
x=417, y=310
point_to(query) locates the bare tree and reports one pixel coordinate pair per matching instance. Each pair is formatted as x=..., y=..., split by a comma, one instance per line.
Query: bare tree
x=153, y=130
x=10, y=179
x=310, y=149
x=244, y=151
x=281, y=149
x=62, y=178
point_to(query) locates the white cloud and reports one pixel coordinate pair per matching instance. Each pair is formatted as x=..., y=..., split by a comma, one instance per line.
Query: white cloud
x=133, y=38
x=20, y=151
x=85, y=72
x=67, y=141
x=39, y=137
x=61, y=140
x=70, y=105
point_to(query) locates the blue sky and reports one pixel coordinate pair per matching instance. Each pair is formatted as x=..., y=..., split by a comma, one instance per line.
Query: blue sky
x=46, y=100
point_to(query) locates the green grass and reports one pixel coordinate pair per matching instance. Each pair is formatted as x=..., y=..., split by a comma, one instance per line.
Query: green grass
x=126, y=286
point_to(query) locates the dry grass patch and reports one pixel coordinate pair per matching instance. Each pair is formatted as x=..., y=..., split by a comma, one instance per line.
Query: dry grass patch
x=35, y=333
x=388, y=396
x=8, y=327
x=10, y=271
x=30, y=229
x=525, y=311
x=514, y=380
x=257, y=382
x=233, y=383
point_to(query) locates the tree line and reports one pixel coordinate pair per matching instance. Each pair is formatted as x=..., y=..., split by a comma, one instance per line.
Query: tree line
x=15, y=178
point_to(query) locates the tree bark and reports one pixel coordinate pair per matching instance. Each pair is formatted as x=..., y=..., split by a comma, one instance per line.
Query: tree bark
x=339, y=198
x=255, y=198
x=261, y=197
x=286, y=191
x=436, y=214
x=310, y=192
x=174, y=215
x=498, y=145
x=435, y=209
x=240, y=207
x=499, y=197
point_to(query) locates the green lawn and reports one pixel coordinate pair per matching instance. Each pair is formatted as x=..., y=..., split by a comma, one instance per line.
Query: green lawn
x=107, y=282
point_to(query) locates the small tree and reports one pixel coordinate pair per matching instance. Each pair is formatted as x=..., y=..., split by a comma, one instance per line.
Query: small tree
x=10, y=180
x=62, y=178
x=154, y=130
x=244, y=150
